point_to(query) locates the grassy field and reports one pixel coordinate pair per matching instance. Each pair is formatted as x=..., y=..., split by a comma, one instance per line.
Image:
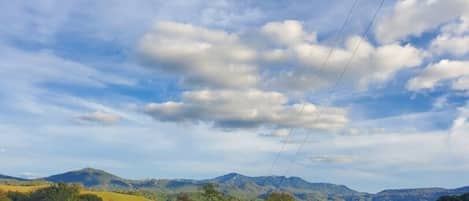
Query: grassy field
x=107, y=196
x=22, y=189
x=111, y=196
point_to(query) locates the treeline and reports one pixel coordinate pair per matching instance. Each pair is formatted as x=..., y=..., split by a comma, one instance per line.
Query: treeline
x=210, y=193
x=464, y=197
x=56, y=192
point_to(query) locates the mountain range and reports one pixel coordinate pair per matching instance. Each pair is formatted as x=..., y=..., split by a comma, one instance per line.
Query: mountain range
x=244, y=186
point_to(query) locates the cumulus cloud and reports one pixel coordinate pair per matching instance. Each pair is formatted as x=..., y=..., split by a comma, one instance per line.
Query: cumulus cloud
x=208, y=58
x=414, y=17
x=99, y=117
x=246, y=109
x=305, y=59
x=200, y=56
x=454, y=45
x=453, y=39
x=456, y=72
x=240, y=85
x=288, y=32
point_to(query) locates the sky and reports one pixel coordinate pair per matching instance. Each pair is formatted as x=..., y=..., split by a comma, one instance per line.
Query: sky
x=196, y=89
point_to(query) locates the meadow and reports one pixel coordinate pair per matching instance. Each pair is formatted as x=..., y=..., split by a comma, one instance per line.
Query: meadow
x=106, y=196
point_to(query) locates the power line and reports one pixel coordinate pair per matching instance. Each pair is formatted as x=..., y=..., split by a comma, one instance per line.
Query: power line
x=339, y=78
x=321, y=68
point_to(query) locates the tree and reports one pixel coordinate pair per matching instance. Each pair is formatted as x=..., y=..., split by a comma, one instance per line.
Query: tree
x=464, y=197
x=90, y=197
x=210, y=193
x=449, y=198
x=279, y=196
x=58, y=192
x=183, y=197
x=17, y=196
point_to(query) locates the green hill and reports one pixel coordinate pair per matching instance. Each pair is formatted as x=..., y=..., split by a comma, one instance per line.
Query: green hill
x=90, y=178
x=244, y=187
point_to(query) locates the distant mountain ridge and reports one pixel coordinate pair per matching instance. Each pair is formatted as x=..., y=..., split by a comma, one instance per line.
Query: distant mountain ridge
x=246, y=186
x=5, y=177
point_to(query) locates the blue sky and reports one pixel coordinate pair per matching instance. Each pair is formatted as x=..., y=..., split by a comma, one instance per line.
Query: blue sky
x=196, y=89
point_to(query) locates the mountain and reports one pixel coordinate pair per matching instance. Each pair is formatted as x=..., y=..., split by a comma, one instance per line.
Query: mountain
x=233, y=184
x=246, y=187
x=263, y=185
x=4, y=177
x=90, y=178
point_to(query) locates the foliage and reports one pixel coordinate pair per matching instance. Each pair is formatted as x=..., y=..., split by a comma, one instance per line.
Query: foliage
x=464, y=197
x=210, y=193
x=18, y=196
x=25, y=192
x=58, y=192
x=89, y=197
x=280, y=196
x=183, y=197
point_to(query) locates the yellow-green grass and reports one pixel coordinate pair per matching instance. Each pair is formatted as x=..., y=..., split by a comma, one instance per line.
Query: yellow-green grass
x=111, y=196
x=22, y=189
x=107, y=196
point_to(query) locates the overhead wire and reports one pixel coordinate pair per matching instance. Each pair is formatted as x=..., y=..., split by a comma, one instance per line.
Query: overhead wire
x=337, y=38
x=339, y=78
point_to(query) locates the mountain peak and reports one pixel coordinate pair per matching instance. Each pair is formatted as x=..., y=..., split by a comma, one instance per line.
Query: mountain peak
x=229, y=177
x=91, y=170
x=89, y=177
x=233, y=174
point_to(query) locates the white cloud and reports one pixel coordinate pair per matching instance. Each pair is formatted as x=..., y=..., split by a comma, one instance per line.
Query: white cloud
x=441, y=102
x=200, y=56
x=211, y=62
x=454, y=38
x=99, y=117
x=288, y=32
x=461, y=122
x=332, y=159
x=34, y=22
x=26, y=76
x=40, y=67
x=244, y=109
x=307, y=69
x=454, y=45
x=414, y=17
x=283, y=132
x=29, y=175
x=207, y=58
x=225, y=14
x=446, y=70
